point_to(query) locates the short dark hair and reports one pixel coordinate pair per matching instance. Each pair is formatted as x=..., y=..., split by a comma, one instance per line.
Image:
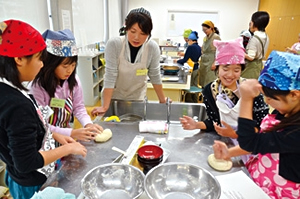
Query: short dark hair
x=9, y=70
x=46, y=77
x=274, y=94
x=291, y=120
x=143, y=20
x=260, y=20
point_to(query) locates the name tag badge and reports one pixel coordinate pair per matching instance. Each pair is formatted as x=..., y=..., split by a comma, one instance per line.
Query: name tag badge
x=142, y=72
x=57, y=103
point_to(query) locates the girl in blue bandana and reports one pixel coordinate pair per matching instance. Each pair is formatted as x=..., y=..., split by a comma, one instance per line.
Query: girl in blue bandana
x=58, y=87
x=278, y=142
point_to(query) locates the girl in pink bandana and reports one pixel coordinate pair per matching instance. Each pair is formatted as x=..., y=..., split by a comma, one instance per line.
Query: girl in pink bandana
x=222, y=96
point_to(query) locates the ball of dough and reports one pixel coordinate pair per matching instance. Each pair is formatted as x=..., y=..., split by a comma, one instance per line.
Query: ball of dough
x=218, y=164
x=104, y=136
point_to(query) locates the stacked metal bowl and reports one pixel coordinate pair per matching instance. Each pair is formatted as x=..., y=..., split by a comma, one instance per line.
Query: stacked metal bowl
x=181, y=181
x=165, y=181
x=113, y=180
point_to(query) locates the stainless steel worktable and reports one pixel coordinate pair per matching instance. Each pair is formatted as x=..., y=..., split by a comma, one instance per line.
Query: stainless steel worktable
x=184, y=146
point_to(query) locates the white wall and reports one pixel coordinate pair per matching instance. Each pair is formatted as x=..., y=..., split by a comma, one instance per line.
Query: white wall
x=33, y=12
x=234, y=15
x=87, y=21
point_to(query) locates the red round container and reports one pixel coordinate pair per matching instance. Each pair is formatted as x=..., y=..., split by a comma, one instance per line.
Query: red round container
x=150, y=152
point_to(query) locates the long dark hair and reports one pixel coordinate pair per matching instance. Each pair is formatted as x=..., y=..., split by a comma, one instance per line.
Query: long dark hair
x=144, y=21
x=286, y=121
x=9, y=70
x=46, y=77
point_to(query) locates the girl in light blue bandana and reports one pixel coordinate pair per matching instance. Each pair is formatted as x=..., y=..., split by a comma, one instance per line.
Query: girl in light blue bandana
x=277, y=167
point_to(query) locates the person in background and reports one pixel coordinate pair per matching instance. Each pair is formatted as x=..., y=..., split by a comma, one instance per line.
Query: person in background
x=26, y=143
x=192, y=55
x=222, y=96
x=277, y=164
x=257, y=46
x=295, y=48
x=186, y=34
x=58, y=86
x=246, y=34
x=129, y=60
x=207, y=69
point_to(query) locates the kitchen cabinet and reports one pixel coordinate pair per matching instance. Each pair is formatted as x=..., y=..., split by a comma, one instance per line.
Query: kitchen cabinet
x=171, y=89
x=91, y=71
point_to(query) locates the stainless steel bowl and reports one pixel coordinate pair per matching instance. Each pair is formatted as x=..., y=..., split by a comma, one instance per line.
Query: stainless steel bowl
x=114, y=180
x=181, y=181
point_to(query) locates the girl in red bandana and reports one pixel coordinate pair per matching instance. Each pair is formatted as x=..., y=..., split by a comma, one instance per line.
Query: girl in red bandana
x=26, y=143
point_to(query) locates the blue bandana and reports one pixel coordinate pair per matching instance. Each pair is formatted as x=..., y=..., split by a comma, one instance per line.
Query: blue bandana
x=193, y=36
x=281, y=71
x=60, y=43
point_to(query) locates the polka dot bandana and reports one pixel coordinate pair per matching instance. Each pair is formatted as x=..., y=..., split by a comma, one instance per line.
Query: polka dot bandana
x=61, y=43
x=19, y=39
x=281, y=71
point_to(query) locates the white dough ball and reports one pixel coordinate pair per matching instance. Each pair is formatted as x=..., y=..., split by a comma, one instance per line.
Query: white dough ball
x=104, y=136
x=219, y=165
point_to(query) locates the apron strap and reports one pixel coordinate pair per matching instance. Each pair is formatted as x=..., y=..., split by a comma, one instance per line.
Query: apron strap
x=262, y=45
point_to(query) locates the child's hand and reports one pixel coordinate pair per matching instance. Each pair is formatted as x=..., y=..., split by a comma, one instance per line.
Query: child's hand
x=84, y=134
x=188, y=123
x=96, y=128
x=221, y=150
x=250, y=88
x=77, y=149
x=226, y=130
x=63, y=139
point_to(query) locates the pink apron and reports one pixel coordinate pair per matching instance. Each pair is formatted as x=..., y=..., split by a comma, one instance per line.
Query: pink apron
x=264, y=170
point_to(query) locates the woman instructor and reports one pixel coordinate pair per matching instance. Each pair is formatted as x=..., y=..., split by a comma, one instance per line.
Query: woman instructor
x=129, y=60
x=207, y=69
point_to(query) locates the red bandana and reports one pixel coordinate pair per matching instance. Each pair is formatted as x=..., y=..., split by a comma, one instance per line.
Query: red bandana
x=19, y=39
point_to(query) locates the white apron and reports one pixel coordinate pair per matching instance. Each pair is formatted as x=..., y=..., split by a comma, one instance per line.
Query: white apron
x=229, y=113
x=131, y=82
x=48, y=141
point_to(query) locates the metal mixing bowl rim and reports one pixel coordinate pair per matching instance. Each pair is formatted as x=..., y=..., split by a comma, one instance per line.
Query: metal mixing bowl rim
x=114, y=164
x=179, y=163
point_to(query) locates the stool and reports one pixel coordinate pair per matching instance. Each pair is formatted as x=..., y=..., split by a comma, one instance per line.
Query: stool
x=193, y=90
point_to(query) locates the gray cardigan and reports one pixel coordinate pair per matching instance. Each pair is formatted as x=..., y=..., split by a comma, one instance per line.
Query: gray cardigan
x=112, y=52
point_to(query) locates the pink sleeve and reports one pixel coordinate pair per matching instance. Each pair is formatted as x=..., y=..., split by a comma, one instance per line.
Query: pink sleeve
x=62, y=131
x=39, y=94
x=79, y=110
x=43, y=99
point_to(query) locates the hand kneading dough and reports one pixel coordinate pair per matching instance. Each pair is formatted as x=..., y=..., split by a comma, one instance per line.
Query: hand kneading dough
x=219, y=165
x=104, y=136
